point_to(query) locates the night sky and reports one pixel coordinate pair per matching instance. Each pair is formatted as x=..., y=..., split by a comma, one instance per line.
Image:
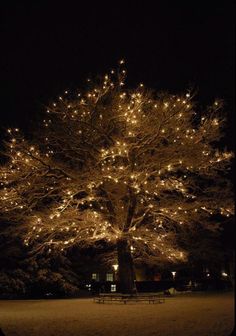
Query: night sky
x=47, y=48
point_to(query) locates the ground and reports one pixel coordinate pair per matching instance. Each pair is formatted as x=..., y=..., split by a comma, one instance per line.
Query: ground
x=193, y=314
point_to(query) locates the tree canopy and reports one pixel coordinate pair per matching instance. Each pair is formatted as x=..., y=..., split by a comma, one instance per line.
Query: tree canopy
x=111, y=164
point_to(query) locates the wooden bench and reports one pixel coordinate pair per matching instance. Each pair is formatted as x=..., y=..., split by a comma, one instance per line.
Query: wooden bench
x=125, y=298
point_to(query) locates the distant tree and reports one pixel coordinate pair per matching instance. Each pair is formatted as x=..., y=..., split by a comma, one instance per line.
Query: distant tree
x=132, y=168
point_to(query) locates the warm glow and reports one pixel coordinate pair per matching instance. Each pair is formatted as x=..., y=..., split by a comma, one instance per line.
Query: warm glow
x=115, y=267
x=115, y=164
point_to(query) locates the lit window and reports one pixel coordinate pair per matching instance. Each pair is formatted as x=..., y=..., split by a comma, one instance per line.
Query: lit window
x=113, y=288
x=109, y=277
x=95, y=276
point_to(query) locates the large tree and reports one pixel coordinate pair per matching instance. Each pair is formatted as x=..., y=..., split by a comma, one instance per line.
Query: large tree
x=130, y=168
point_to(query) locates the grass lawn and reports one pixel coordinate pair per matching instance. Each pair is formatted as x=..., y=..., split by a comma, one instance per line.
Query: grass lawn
x=203, y=314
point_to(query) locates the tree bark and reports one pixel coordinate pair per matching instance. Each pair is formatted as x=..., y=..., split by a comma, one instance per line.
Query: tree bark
x=126, y=275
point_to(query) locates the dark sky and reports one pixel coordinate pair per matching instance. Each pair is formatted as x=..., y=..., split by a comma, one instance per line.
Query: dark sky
x=169, y=45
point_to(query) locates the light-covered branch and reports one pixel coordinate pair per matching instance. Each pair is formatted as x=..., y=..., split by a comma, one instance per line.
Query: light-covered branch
x=113, y=164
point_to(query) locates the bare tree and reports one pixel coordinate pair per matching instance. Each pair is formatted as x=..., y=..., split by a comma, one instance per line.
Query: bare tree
x=132, y=168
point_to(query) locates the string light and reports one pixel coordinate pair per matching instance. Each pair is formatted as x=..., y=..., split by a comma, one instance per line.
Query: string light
x=114, y=164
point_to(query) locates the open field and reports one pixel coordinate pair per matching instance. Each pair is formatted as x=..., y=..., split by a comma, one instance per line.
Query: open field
x=184, y=315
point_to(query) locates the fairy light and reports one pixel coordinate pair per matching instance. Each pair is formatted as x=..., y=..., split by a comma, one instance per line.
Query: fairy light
x=142, y=152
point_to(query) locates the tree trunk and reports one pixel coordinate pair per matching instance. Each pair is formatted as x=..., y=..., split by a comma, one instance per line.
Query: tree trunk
x=126, y=275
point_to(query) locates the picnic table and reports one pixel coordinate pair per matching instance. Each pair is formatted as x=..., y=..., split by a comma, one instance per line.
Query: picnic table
x=126, y=298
